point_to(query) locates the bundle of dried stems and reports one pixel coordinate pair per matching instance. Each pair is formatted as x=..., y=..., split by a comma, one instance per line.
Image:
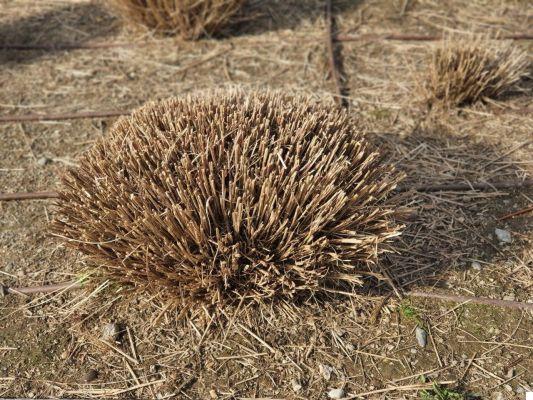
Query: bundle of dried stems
x=465, y=70
x=189, y=19
x=230, y=195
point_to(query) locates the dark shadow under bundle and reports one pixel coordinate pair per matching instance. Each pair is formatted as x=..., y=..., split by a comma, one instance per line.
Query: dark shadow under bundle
x=228, y=195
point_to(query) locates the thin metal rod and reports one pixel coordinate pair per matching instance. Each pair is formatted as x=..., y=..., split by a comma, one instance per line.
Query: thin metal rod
x=452, y=187
x=438, y=296
x=68, y=46
x=333, y=62
x=40, y=289
x=472, y=299
x=63, y=116
x=28, y=196
x=516, y=213
x=419, y=38
x=340, y=37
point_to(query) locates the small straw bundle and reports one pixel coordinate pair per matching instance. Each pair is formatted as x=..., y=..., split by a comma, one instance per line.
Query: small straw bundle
x=463, y=71
x=217, y=198
x=189, y=19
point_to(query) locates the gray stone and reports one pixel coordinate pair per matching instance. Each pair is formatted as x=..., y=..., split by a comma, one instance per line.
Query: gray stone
x=325, y=371
x=336, y=393
x=110, y=332
x=475, y=265
x=503, y=235
x=90, y=376
x=42, y=161
x=421, y=336
x=296, y=386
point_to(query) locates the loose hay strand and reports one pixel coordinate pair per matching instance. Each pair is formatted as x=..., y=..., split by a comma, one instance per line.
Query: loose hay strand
x=227, y=196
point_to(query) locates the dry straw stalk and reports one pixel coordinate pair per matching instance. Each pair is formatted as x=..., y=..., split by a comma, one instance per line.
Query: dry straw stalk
x=226, y=196
x=189, y=19
x=465, y=70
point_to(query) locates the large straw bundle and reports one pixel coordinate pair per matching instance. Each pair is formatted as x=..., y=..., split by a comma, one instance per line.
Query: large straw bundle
x=230, y=195
x=189, y=19
x=466, y=70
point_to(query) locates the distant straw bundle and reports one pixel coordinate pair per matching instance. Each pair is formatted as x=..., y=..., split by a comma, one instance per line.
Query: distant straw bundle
x=189, y=19
x=463, y=71
x=230, y=195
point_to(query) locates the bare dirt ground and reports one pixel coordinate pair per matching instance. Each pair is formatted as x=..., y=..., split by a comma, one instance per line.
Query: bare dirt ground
x=50, y=344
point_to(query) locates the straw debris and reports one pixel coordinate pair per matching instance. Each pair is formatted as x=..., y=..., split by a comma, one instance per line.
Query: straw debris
x=189, y=19
x=226, y=196
x=463, y=71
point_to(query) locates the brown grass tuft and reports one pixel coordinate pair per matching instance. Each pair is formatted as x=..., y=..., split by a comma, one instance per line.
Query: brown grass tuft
x=189, y=19
x=213, y=198
x=463, y=71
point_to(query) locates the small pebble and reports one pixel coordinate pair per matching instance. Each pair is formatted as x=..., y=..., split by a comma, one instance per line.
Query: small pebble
x=325, y=371
x=90, y=376
x=507, y=387
x=296, y=387
x=110, y=332
x=503, y=235
x=510, y=297
x=497, y=396
x=336, y=394
x=421, y=336
x=475, y=265
x=42, y=161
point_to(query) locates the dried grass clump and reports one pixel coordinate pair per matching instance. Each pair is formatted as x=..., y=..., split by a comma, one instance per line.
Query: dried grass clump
x=189, y=19
x=466, y=70
x=228, y=195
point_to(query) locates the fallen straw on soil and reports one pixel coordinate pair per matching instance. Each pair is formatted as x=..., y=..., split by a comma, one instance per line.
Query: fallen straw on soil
x=230, y=195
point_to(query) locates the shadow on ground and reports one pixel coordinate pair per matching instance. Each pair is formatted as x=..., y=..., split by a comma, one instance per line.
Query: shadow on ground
x=273, y=15
x=448, y=231
x=70, y=24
